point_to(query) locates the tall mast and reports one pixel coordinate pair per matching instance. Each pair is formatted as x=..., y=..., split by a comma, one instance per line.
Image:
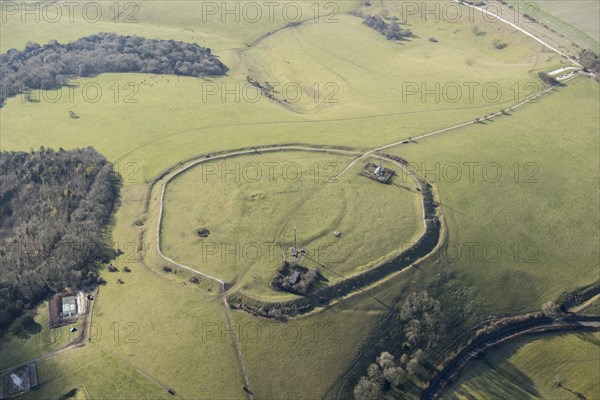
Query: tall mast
x=295, y=240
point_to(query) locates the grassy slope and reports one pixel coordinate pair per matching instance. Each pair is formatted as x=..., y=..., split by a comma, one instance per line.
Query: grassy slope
x=179, y=20
x=15, y=350
x=593, y=308
x=258, y=217
x=576, y=19
x=169, y=320
x=558, y=214
x=528, y=369
x=95, y=375
x=135, y=325
x=171, y=122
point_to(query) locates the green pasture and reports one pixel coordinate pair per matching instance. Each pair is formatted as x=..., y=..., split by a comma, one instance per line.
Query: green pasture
x=210, y=24
x=576, y=19
x=16, y=350
x=521, y=191
x=91, y=373
x=532, y=369
x=149, y=122
x=157, y=323
x=146, y=123
x=251, y=203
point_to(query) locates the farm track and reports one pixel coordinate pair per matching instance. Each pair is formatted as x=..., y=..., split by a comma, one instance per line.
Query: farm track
x=81, y=342
x=222, y=284
x=532, y=99
x=303, y=121
x=194, y=161
x=585, y=304
x=515, y=26
x=223, y=156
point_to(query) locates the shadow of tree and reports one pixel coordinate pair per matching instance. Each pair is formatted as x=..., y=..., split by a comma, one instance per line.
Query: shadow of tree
x=499, y=379
x=69, y=395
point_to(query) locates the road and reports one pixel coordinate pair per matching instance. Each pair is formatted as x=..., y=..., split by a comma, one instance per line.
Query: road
x=500, y=18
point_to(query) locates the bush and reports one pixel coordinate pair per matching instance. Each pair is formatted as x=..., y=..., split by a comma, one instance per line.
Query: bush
x=499, y=44
x=550, y=309
x=203, y=232
x=478, y=32
x=167, y=269
x=391, y=31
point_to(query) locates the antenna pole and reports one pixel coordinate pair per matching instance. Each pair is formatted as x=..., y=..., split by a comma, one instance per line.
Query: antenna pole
x=294, y=239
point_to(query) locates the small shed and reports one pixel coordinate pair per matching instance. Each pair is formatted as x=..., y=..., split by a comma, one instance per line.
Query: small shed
x=33, y=380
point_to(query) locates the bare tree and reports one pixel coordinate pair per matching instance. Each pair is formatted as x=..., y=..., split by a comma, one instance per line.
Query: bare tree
x=366, y=389
x=550, y=309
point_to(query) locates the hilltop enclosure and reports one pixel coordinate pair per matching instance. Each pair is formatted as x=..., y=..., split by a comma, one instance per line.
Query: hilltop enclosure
x=250, y=205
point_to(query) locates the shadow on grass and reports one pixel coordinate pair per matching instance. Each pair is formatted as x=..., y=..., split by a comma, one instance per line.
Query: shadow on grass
x=497, y=379
x=577, y=394
x=69, y=395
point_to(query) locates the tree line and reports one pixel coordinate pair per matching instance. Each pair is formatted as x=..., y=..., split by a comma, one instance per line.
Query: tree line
x=391, y=30
x=51, y=65
x=54, y=208
x=590, y=62
x=420, y=323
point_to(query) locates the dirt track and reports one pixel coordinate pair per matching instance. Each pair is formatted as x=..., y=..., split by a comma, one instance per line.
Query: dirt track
x=81, y=342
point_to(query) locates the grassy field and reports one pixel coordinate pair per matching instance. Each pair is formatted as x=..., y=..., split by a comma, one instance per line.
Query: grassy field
x=200, y=23
x=179, y=326
x=176, y=117
x=575, y=19
x=522, y=178
x=314, y=349
x=150, y=328
x=251, y=210
x=529, y=369
x=91, y=373
x=525, y=168
x=16, y=350
x=158, y=323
